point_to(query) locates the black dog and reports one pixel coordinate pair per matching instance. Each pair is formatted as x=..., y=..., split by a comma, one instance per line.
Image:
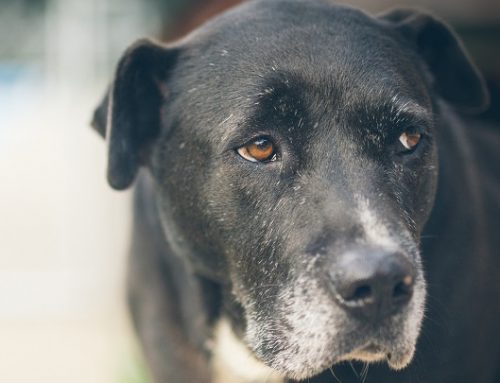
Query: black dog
x=290, y=162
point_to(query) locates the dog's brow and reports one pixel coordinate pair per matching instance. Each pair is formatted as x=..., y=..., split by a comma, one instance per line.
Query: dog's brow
x=408, y=108
x=279, y=99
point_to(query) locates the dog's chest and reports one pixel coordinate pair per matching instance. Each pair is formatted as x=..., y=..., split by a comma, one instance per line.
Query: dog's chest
x=234, y=363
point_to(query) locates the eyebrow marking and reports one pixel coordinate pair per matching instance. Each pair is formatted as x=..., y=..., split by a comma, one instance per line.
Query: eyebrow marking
x=401, y=107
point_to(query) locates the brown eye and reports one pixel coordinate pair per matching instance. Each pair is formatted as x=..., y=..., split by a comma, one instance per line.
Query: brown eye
x=260, y=150
x=410, y=139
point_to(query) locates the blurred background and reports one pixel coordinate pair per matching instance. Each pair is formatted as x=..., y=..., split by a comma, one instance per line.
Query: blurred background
x=63, y=232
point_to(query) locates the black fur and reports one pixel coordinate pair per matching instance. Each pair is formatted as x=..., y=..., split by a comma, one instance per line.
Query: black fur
x=261, y=244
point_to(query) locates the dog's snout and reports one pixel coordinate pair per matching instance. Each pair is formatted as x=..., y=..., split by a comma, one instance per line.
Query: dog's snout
x=373, y=283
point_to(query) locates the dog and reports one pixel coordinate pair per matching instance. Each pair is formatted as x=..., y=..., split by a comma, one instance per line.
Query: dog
x=310, y=183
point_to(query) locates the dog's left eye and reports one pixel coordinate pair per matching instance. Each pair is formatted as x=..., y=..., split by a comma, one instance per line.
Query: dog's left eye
x=410, y=139
x=258, y=150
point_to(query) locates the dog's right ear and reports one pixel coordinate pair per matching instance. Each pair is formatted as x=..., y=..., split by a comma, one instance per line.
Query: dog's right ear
x=129, y=115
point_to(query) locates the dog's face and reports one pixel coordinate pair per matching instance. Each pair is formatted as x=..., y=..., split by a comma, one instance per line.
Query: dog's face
x=292, y=144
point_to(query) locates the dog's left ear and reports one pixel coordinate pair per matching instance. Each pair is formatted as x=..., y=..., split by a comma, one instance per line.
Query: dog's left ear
x=129, y=115
x=455, y=77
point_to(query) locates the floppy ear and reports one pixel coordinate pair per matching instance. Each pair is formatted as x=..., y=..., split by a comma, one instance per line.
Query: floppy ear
x=455, y=77
x=129, y=115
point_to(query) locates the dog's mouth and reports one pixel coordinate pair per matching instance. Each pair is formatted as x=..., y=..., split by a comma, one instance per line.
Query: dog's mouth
x=372, y=348
x=388, y=346
x=397, y=352
x=375, y=352
x=370, y=351
x=396, y=355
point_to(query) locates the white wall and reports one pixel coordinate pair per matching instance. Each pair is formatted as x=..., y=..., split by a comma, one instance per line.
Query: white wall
x=63, y=232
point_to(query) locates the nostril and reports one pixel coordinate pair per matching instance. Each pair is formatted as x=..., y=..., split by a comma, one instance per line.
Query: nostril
x=358, y=294
x=361, y=293
x=403, y=289
x=400, y=290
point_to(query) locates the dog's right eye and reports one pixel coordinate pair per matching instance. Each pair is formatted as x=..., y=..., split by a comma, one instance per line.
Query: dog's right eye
x=258, y=150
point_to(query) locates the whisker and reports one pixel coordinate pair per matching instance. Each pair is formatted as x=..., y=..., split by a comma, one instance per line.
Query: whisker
x=428, y=237
x=275, y=285
x=364, y=372
x=354, y=370
x=334, y=376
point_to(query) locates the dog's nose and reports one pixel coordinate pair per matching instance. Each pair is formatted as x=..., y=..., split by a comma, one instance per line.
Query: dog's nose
x=373, y=283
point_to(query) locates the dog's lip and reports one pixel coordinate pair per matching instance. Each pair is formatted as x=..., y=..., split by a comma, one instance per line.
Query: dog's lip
x=369, y=351
x=372, y=348
x=374, y=351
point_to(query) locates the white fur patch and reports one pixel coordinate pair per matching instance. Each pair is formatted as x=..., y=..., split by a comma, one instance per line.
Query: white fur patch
x=304, y=346
x=375, y=230
x=234, y=363
x=312, y=319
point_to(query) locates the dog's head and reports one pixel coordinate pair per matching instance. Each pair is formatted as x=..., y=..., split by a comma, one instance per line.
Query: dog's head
x=292, y=144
